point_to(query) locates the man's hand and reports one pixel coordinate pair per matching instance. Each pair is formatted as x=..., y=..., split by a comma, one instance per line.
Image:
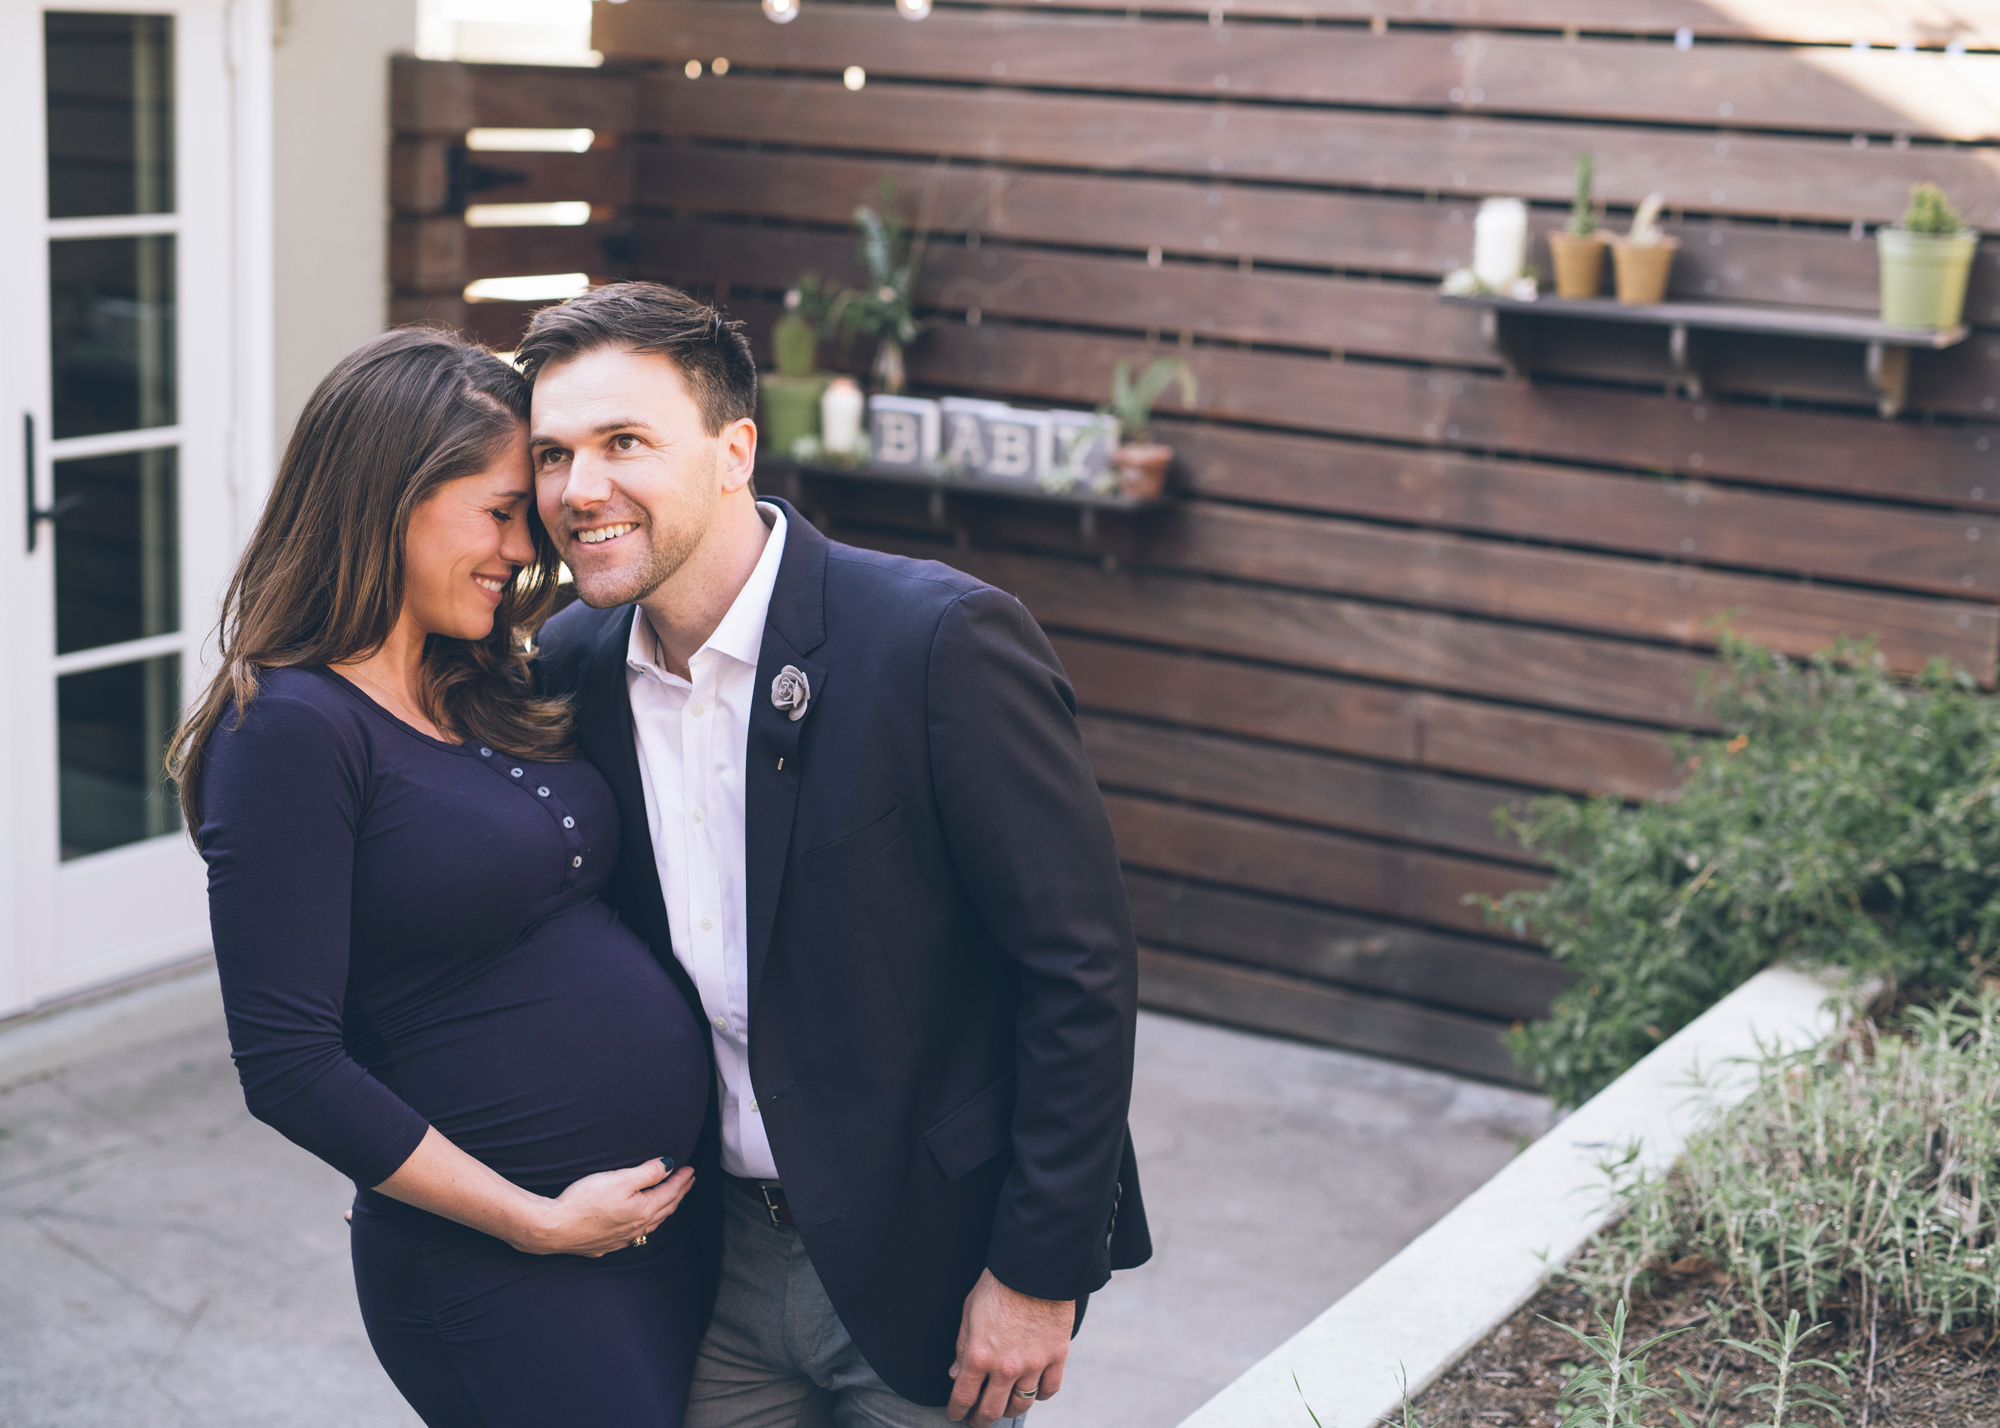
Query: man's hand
x=1007, y=1341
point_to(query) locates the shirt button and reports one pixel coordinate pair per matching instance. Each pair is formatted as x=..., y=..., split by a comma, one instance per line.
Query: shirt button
x=697, y=815
x=576, y=862
x=696, y=710
x=706, y=924
x=515, y=772
x=569, y=823
x=722, y=1023
x=543, y=792
x=485, y=753
x=753, y=1108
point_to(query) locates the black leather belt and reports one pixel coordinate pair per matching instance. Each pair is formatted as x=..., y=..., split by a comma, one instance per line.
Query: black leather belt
x=771, y=1197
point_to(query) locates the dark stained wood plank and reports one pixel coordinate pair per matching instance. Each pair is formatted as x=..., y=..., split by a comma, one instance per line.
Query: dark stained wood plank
x=1609, y=594
x=1801, y=178
x=1575, y=672
x=1470, y=974
x=1285, y=309
x=441, y=255
x=1929, y=94
x=498, y=325
x=1404, y=883
x=1737, y=262
x=1687, y=520
x=1884, y=23
x=1441, y=731
x=419, y=176
x=443, y=98
x=1853, y=455
x=1331, y=792
x=1310, y=1011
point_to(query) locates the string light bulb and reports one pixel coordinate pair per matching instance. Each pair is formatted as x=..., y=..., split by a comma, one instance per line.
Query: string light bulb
x=781, y=12
x=913, y=9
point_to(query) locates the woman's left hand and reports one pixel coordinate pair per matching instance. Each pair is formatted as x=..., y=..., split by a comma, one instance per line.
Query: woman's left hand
x=608, y=1211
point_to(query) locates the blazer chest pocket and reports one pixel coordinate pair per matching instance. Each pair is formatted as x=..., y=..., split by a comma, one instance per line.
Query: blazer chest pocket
x=975, y=1131
x=856, y=848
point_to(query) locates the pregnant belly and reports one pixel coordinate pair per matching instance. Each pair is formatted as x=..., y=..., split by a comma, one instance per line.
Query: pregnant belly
x=570, y=1054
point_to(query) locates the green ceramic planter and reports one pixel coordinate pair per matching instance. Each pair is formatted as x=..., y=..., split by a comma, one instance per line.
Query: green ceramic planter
x=791, y=410
x=1924, y=276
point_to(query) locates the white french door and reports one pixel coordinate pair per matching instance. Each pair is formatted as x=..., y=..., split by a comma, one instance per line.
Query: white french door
x=124, y=429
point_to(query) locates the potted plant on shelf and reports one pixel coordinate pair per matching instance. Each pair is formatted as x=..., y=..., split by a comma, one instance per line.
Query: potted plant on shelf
x=1926, y=260
x=885, y=310
x=1644, y=256
x=790, y=396
x=1141, y=461
x=1576, y=250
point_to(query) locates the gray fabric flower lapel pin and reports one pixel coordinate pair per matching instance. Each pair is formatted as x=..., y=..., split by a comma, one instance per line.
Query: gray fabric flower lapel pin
x=790, y=691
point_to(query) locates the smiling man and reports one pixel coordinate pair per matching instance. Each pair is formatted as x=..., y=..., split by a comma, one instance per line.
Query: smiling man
x=861, y=830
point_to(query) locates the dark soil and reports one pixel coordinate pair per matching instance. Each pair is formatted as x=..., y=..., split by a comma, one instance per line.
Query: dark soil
x=1921, y=1379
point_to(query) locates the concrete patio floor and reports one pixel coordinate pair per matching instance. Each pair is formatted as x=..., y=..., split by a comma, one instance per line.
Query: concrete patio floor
x=167, y=1260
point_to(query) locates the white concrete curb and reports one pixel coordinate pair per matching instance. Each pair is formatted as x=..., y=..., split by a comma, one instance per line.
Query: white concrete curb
x=108, y=1022
x=1423, y=1309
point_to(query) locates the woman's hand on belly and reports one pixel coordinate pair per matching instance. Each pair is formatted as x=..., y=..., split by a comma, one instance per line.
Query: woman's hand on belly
x=609, y=1210
x=594, y=1216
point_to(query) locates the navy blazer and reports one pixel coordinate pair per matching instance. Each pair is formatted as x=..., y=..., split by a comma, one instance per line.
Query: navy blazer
x=943, y=981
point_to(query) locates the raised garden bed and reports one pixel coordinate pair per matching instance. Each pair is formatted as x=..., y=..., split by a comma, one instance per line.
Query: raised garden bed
x=1922, y=1379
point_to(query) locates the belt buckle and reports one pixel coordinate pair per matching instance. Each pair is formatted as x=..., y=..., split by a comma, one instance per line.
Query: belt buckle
x=771, y=1206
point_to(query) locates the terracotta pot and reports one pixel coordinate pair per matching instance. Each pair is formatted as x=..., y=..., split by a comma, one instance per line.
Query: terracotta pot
x=1142, y=469
x=1579, y=263
x=1642, y=269
x=1924, y=276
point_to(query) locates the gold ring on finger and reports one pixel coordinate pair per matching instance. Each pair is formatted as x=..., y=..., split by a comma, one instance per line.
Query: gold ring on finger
x=636, y=1243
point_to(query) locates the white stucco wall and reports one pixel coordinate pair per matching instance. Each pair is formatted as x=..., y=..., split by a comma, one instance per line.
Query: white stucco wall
x=331, y=154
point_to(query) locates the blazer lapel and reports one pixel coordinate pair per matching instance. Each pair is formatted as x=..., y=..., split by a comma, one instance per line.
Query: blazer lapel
x=794, y=627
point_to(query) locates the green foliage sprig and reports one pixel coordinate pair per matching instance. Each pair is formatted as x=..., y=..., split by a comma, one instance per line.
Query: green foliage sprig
x=1583, y=211
x=892, y=256
x=1931, y=212
x=1846, y=818
x=1863, y=1172
x=1132, y=398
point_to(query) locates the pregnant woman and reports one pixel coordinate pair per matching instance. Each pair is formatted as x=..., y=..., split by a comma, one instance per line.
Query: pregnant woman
x=423, y=986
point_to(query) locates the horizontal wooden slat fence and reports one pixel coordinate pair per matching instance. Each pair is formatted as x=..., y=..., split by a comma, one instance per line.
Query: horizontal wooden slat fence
x=1401, y=588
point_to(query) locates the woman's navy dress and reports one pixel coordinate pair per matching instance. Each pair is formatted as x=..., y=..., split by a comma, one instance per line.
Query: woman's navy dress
x=409, y=935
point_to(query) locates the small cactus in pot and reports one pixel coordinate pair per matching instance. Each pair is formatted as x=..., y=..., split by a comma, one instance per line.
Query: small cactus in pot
x=1576, y=250
x=1644, y=257
x=1926, y=262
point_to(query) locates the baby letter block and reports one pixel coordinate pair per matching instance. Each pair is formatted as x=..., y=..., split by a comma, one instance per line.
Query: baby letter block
x=1077, y=449
x=964, y=438
x=903, y=431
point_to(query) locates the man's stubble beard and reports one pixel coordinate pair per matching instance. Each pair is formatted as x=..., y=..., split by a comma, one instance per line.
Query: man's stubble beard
x=667, y=552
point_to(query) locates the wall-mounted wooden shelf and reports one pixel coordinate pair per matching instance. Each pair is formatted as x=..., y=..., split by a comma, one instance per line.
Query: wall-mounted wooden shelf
x=1089, y=506
x=1885, y=355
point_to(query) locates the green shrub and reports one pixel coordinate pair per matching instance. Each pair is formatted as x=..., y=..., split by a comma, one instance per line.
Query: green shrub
x=1864, y=1173
x=1844, y=818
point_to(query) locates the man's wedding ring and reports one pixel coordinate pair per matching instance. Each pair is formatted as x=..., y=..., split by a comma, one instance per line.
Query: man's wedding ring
x=1020, y=1392
x=636, y=1243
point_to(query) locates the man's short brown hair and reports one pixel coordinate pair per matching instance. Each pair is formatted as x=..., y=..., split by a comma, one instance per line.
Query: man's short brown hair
x=710, y=351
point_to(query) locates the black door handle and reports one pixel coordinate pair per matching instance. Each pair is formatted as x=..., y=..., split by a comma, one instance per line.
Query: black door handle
x=38, y=514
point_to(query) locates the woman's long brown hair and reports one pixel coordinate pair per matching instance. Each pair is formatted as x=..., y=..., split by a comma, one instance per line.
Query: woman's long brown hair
x=322, y=578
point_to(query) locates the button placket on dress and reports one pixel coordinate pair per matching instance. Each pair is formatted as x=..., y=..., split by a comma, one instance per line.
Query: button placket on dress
x=532, y=781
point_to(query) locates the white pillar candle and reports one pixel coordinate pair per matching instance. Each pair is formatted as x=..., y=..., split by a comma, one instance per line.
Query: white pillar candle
x=840, y=416
x=1500, y=241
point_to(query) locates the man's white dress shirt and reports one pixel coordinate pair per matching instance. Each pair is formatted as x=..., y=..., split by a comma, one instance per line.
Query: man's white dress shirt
x=693, y=736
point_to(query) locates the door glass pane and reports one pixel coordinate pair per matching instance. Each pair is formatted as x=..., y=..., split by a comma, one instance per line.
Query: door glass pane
x=111, y=114
x=111, y=325
x=117, y=549
x=111, y=742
